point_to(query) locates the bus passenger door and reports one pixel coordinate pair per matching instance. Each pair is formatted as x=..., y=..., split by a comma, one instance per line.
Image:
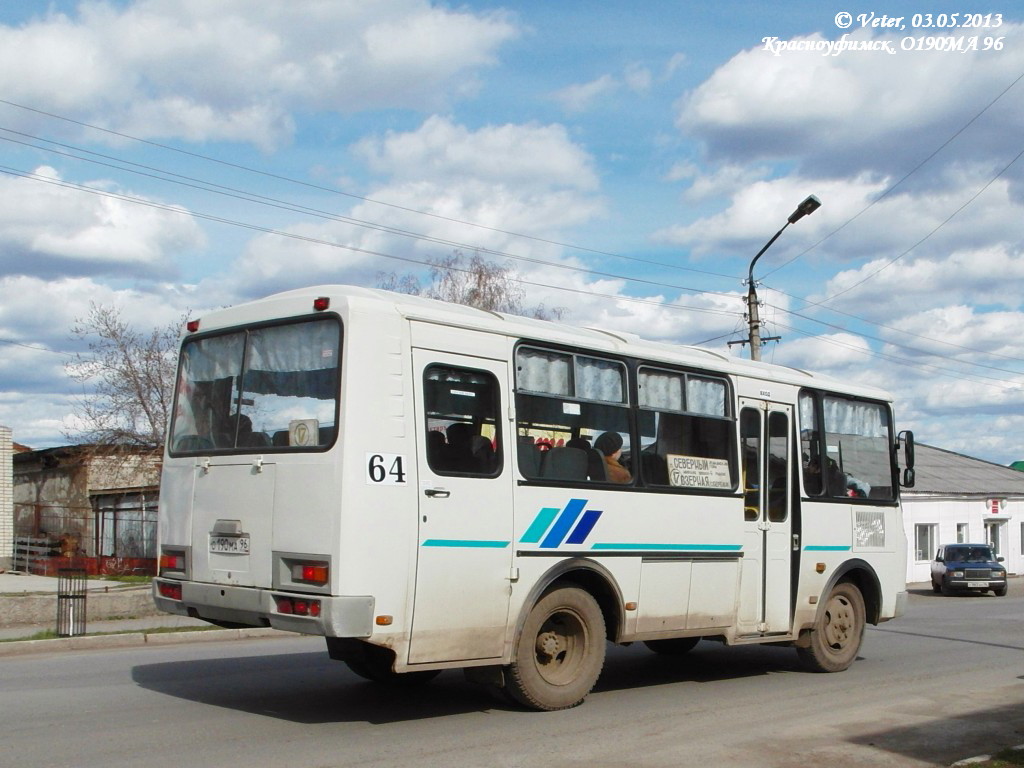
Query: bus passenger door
x=767, y=528
x=464, y=553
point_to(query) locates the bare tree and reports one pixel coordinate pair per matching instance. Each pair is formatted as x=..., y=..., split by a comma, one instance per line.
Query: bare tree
x=473, y=281
x=130, y=376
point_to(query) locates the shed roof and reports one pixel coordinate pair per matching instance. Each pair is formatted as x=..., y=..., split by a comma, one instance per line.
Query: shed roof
x=941, y=472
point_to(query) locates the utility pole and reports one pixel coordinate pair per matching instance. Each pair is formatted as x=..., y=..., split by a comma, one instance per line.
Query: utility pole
x=807, y=207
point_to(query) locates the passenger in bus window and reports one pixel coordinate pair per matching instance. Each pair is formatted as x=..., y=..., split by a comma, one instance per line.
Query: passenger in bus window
x=610, y=446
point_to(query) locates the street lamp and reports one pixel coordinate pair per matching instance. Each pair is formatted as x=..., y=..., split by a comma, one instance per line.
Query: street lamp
x=807, y=207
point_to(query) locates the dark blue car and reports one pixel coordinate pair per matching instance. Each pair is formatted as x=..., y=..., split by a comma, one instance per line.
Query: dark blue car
x=968, y=568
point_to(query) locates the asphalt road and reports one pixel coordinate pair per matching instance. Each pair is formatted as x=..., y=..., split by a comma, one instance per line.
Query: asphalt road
x=943, y=683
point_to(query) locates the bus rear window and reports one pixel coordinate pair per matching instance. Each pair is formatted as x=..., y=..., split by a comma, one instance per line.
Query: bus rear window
x=259, y=389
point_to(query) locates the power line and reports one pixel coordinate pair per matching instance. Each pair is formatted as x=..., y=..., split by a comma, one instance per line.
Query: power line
x=33, y=347
x=906, y=176
x=328, y=243
x=809, y=303
x=219, y=189
x=926, y=237
x=944, y=372
x=334, y=191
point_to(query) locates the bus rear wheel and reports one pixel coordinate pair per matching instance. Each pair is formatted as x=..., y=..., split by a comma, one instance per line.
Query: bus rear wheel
x=837, y=633
x=560, y=651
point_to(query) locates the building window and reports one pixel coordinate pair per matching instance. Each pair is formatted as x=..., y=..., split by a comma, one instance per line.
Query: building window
x=961, y=533
x=126, y=525
x=924, y=542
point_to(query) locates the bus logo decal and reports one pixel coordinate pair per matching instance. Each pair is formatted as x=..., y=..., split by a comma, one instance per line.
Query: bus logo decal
x=558, y=525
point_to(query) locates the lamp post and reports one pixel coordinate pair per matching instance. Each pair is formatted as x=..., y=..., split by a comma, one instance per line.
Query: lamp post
x=807, y=207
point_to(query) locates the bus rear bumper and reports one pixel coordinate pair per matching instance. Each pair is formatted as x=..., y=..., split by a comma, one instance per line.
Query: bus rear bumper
x=339, y=616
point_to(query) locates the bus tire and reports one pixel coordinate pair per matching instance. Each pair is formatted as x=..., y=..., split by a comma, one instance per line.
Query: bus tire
x=676, y=646
x=838, y=631
x=560, y=651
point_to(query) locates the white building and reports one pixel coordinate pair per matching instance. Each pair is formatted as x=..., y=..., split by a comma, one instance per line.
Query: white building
x=960, y=499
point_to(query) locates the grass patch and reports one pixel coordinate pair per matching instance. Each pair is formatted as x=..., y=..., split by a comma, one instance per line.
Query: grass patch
x=126, y=579
x=49, y=634
x=1008, y=758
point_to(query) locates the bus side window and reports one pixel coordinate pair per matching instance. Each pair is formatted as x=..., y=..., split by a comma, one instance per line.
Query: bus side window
x=463, y=434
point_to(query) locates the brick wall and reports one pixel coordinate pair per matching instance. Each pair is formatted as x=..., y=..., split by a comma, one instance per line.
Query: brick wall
x=6, y=498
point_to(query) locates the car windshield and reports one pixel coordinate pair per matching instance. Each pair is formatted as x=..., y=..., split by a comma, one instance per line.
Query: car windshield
x=970, y=554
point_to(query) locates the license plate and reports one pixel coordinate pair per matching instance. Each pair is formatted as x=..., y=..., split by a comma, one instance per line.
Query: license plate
x=230, y=545
x=977, y=584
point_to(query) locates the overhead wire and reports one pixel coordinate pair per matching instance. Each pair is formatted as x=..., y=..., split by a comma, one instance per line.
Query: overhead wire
x=906, y=176
x=351, y=195
x=223, y=190
x=927, y=236
x=166, y=176
x=328, y=243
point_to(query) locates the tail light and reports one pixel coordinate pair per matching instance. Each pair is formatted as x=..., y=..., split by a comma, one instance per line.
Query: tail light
x=297, y=606
x=317, y=573
x=168, y=589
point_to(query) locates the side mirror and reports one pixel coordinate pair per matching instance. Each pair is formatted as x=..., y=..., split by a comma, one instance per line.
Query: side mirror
x=1000, y=559
x=906, y=437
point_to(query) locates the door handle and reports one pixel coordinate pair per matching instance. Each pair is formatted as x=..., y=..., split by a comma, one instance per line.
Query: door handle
x=437, y=493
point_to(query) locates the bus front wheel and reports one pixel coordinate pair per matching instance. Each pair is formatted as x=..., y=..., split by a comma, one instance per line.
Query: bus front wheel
x=560, y=651
x=838, y=631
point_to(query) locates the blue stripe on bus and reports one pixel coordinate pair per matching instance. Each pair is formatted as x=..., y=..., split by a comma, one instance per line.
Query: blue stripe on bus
x=539, y=525
x=671, y=547
x=586, y=525
x=825, y=548
x=472, y=543
x=564, y=522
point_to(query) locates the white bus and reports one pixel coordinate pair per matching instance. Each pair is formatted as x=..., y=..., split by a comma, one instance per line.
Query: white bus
x=431, y=486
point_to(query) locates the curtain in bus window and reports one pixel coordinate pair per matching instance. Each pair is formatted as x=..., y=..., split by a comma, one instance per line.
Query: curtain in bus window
x=205, y=392
x=661, y=390
x=548, y=372
x=293, y=360
x=705, y=396
x=858, y=458
x=599, y=380
x=290, y=386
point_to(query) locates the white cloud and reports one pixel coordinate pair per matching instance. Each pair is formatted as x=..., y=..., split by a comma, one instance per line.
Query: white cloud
x=981, y=276
x=638, y=78
x=859, y=110
x=506, y=178
x=529, y=155
x=757, y=207
x=235, y=70
x=46, y=229
x=581, y=96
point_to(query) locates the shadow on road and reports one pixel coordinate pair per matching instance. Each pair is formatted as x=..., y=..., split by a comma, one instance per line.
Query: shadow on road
x=309, y=688
x=982, y=731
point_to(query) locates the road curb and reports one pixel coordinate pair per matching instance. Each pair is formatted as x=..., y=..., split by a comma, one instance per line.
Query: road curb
x=981, y=758
x=134, y=639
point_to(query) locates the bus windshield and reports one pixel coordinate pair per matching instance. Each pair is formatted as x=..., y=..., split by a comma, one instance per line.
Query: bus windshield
x=258, y=389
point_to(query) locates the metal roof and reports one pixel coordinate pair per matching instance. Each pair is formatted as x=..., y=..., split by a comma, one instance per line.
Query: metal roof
x=945, y=473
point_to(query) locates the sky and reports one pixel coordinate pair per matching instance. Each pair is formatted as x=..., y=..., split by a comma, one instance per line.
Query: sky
x=626, y=161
